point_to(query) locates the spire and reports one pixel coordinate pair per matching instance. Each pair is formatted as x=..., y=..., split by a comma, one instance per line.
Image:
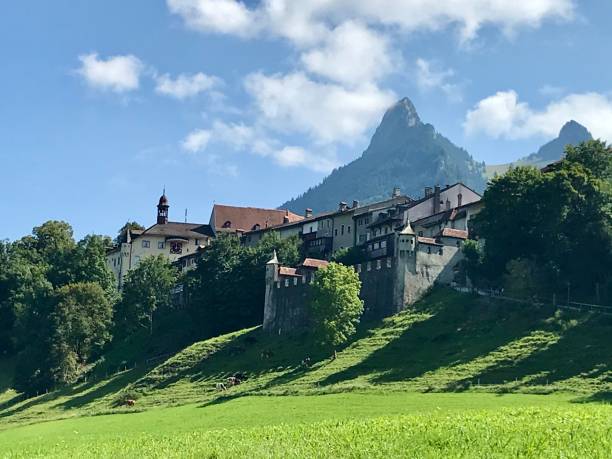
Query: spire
x=407, y=229
x=274, y=260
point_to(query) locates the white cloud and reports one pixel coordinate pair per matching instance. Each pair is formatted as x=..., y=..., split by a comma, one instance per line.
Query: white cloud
x=327, y=112
x=351, y=54
x=222, y=16
x=428, y=78
x=294, y=156
x=116, y=73
x=304, y=21
x=196, y=141
x=185, y=85
x=502, y=115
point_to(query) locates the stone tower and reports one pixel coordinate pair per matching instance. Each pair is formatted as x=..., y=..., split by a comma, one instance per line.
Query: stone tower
x=270, y=303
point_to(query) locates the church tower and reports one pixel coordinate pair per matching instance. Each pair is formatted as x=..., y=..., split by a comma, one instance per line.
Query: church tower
x=162, y=210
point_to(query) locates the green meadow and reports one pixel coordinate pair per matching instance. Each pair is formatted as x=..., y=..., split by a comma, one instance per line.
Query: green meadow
x=453, y=376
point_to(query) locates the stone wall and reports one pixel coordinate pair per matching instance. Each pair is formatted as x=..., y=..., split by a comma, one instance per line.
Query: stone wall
x=388, y=285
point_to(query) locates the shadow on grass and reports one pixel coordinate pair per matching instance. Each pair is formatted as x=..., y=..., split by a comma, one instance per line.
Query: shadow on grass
x=460, y=330
x=582, y=351
x=112, y=385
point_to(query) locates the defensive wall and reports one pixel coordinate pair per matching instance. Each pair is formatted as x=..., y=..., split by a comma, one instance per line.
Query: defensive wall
x=388, y=284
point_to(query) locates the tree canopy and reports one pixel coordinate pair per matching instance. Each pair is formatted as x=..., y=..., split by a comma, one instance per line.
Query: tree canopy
x=335, y=303
x=559, y=218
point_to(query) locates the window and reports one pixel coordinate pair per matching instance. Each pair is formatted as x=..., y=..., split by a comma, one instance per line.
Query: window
x=197, y=242
x=342, y=230
x=459, y=199
x=146, y=244
x=136, y=260
x=227, y=224
x=376, y=246
x=458, y=243
x=161, y=245
x=421, y=233
x=383, y=244
x=336, y=232
x=348, y=229
x=440, y=251
x=428, y=249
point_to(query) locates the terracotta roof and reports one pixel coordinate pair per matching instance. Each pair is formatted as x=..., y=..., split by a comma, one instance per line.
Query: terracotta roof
x=285, y=271
x=177, y=229
x=450, y=232
x=427, y=240
x=314, y=263
x=245, y=218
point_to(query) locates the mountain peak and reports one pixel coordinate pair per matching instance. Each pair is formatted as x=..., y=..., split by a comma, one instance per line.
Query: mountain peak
x=404, y=152
x=574, y=129
x=402, y=111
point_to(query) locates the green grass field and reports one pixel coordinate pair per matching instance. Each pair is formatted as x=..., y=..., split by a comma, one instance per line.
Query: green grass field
x=336, y=425
x=451, y=360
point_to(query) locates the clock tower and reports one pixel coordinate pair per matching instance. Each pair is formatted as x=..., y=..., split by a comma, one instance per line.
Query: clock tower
x=162, y=209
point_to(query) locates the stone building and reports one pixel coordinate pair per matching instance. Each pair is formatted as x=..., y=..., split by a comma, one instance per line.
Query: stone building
x=171, y=239
x=391, y=279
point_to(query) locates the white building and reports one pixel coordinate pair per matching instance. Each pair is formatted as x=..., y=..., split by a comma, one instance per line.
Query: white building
x=171, y=239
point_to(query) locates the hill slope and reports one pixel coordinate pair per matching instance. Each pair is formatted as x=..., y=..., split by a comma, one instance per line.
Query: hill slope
x=572, y=133
x=448, y=342
x=403, y=152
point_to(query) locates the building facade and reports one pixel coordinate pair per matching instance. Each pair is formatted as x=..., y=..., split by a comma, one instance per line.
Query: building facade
x=170, y=239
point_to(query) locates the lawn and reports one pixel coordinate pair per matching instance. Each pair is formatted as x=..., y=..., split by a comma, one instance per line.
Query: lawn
x=344, y=425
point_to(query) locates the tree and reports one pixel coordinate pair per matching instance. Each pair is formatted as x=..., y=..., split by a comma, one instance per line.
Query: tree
x=89, y=262
x=123, y=231
x=227, y=289
x=147, y=289
x=335, y=304
x=560, y=219
x=349, y=256
x=81, y=323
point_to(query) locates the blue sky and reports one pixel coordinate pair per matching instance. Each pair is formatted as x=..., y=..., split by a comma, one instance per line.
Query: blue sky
x=250, y=103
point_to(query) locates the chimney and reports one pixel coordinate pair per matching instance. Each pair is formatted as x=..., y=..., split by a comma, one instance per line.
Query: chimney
x=308, y=213
x=355, y=203
x=342, y=206
x=427, y=191
x=436, y=204
x=286, y=217
x=396, y=192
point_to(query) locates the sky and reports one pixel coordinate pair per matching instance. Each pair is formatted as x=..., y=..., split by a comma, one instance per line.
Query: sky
x=105, y=103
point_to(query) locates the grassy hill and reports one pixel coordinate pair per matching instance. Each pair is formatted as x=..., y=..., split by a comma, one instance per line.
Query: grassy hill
x=448, y=342
x=440, y=378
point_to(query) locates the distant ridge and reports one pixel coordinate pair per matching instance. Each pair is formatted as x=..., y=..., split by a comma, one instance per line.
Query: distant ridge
x=403, y=152
x=572, y=133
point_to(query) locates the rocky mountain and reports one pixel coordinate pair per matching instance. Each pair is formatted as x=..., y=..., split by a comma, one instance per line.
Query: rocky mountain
x=571, y=133
x=403, y=152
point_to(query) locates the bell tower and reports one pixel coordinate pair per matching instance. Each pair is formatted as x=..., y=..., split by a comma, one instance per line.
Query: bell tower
x=162, y=209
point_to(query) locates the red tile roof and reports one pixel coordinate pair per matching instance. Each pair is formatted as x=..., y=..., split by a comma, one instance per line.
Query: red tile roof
x=450, y=232
x=314, y=263
x=245, y=218
x=427, y=240
x=285, y=271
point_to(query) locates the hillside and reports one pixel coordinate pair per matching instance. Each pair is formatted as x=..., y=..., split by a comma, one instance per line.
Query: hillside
x=448, y=342
x=403, y=152
x=572, y=133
